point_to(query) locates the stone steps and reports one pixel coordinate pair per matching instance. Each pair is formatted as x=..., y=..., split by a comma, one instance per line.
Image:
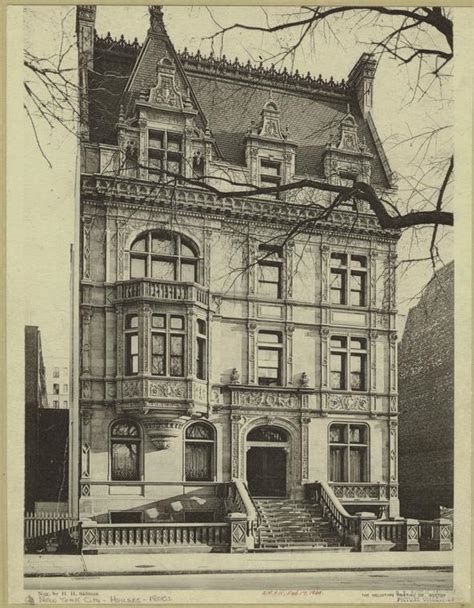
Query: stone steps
x=291, y=525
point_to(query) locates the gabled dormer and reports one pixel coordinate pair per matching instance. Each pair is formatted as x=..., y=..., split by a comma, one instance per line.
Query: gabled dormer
x=347, y=159
x=161, y=128
x=269, y=154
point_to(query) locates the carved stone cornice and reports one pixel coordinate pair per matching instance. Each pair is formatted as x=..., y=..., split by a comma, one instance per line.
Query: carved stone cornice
x=118, y=191
x=277, y=398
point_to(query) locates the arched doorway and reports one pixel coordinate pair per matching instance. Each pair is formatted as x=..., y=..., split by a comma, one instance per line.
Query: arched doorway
x=267, y=451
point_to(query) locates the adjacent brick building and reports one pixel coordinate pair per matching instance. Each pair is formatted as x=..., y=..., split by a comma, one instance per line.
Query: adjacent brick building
x=426, y=400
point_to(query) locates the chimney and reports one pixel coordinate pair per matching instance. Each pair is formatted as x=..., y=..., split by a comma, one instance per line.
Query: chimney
x=85, y=21
x=361, y=80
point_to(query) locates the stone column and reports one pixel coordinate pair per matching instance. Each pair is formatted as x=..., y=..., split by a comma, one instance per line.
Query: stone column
x=238, y=532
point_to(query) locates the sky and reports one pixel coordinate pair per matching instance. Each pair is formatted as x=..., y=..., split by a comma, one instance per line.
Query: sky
x=48, y=191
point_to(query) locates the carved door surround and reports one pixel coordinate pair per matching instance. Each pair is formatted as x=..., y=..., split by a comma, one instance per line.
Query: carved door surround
x=242, y=424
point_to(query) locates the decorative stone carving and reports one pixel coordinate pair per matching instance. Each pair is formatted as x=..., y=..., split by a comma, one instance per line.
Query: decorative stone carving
x=355, y=403
x=161, y=432
x=304, y=380
x=167, y=390
x=86, y=247
x=234, y=376
x=272, y=399
x=131, y=389
x=199, y=392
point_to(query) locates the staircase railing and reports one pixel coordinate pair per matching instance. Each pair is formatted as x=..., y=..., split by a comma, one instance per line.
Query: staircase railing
x=346, y=525
x=238, y=500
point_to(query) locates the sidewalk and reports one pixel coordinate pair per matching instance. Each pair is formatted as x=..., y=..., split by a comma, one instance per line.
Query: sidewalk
x=215, y=563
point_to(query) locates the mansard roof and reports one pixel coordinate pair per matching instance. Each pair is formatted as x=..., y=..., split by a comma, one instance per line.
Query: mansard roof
x=229, y=96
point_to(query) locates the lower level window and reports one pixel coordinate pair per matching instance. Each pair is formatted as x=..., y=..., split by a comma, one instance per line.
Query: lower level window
x=199, y=452
x=125, y=443
x=348, y=452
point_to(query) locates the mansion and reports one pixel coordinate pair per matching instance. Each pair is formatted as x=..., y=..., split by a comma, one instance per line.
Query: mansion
x=235, y=346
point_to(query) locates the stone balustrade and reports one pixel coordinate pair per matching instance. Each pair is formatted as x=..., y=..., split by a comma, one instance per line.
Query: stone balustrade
x=162, y=290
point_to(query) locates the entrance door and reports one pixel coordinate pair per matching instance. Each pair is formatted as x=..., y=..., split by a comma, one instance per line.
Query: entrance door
x=266, y=471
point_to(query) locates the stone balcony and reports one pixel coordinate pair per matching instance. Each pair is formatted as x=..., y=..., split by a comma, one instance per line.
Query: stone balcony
x=158, y=290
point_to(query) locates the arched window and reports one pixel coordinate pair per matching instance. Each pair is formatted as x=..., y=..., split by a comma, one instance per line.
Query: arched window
x=348, y=452
x=199, y=452
x=125, y=447
x=268, y=433
x=163, y=255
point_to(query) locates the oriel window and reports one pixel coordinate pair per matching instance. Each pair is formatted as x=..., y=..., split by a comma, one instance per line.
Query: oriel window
x=201, y=341
x=131, y=345
x=167, y=345
x=348, y=279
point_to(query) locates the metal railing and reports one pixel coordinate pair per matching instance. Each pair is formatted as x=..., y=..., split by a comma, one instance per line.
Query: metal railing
x=43, y=530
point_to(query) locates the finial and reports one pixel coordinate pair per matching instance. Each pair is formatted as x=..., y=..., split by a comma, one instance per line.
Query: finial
x=156, y=19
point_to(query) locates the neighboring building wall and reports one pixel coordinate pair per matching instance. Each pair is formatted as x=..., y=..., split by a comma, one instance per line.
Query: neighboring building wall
x=52, y=467
x=58, y=382
x=35, y=398
x=426, y=400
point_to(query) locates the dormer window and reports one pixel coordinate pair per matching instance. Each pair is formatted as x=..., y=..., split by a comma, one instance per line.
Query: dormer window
x=270, y=175
x=165, y=154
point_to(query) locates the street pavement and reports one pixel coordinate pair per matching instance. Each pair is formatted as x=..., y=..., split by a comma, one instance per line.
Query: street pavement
x=49, y=565
x=434, y=579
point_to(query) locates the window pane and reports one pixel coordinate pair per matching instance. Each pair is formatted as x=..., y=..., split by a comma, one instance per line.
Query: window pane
x=201, y=358
x=198, y=457
x=176, y=364
x=268, y=273
x=269, y=337
x=137, y=267
x=158, y=321
x=357, y=372
x=338, y=259
x=177, y=323
x=156, y=139
x=162, y=244
x=174, y=165
x=201, y=327
x=338, y=342
x=125, y=429
x=336, y=466
x=174, y=143
x=187, y=251
x=131, y=321
x=357, y=434
x=338, y=287
x=199, y=431
x=336, y=433
x=158, y=365
x=337, y=371
x=268, y=358
x=358, y=261
x=188, y=272
x=158, y=343
x=357, y=289
x=125, y=461
x=357, y=464
x=177, y=345
x=139, y=244
x=268, y=168
x=358, y=344
x=162, y=270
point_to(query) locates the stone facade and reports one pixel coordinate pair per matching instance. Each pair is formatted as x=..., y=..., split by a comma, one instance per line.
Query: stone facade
x=223, y=313
x=426, y=377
